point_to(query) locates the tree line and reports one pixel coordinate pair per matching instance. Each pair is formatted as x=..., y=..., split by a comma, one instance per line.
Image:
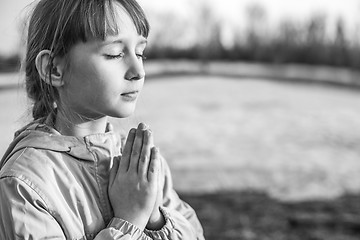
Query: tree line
x=306, y=42
x=201, y=37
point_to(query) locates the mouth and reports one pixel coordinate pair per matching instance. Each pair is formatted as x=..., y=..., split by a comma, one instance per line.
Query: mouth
x=130, y=96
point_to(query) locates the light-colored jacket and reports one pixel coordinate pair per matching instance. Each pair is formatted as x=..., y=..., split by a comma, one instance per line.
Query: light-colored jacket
x=56, y=187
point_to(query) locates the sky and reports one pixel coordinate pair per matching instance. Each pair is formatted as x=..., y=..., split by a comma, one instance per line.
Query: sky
x=231, y=11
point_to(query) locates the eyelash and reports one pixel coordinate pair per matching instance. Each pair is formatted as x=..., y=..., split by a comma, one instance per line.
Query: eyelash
x=143, y=57
x=108, y=56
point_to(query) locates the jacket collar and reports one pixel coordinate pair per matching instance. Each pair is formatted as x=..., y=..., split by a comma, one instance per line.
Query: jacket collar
x=41, y=135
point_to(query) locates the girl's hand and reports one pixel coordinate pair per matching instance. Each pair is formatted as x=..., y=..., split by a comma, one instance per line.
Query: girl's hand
x=133, y=185
x=157, y=220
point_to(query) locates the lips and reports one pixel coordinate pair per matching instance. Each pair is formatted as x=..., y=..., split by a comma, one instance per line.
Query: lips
x=130, y=96
x=130, y=93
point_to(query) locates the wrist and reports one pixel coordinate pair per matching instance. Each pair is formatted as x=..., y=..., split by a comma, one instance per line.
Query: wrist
x=138, y=221
x=156, y=221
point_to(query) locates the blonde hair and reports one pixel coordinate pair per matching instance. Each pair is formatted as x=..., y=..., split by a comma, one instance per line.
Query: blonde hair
x=57, y=25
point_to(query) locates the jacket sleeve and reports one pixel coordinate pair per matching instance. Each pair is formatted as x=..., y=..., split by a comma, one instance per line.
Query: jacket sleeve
x=181, y=220
x=24, y=215
x=119, y=229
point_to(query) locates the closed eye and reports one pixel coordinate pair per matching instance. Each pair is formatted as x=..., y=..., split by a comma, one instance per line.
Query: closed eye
x=118, y=56
x=142, y=56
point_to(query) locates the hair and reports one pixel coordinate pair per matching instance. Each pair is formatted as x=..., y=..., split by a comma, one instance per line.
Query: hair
x=57, y=25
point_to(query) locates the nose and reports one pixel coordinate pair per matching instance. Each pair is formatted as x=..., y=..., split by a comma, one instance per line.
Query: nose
x=135, y=70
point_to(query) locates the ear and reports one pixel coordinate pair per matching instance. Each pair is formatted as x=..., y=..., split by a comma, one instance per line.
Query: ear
x=55, y=68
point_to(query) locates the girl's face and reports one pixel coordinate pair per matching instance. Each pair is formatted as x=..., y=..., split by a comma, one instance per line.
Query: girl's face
x=104, y=78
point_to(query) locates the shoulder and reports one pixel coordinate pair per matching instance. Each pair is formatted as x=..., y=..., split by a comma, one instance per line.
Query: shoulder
x=26, y=172
x=35, y=167
x=40, y=171
x=27, y=160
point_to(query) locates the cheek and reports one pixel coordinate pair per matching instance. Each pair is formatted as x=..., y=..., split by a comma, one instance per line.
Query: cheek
x=83, y=69
x=142, y=84
x=81, y=75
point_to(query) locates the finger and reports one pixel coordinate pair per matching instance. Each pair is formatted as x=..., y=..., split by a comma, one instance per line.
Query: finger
x=136, y=148
x=161, y=171
x=125, y=158
x=154, y=165
x=161, y=180
x=114, y=169
x=145, y=153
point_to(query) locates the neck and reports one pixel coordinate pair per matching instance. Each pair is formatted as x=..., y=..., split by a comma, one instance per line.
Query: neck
x=77, y=126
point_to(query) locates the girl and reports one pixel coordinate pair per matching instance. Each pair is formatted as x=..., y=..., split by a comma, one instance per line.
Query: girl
x=64, y=176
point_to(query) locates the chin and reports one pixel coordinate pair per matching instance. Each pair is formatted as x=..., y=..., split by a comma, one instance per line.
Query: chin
x=123, y=112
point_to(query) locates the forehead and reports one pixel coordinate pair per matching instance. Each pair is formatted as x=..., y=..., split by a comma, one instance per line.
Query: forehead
x=108, y=20
x=121, y=31
x=122, y=20
x=125, y=28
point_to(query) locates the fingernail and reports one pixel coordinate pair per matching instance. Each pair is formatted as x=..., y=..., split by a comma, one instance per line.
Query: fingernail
x=147, y=133
x=142, y=126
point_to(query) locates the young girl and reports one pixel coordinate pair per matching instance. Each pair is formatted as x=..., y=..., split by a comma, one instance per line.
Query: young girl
x=64, y=175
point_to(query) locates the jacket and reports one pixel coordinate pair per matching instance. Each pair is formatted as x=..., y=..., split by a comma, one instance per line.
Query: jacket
x=56, y=187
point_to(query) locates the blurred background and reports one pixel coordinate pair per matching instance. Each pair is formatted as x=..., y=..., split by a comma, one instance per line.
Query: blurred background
x=255, y=104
